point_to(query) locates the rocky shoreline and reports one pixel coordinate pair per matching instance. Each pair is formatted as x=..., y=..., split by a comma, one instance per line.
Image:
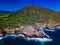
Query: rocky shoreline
x=28, y=30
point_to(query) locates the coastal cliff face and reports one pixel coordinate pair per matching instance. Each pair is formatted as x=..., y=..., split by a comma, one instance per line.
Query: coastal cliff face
x=27, y=31
x=30, y=30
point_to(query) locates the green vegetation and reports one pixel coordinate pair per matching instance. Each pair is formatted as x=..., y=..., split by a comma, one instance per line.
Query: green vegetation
x=28, y=15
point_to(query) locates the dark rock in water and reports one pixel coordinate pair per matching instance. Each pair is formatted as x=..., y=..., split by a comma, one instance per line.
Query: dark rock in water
x=2, y=33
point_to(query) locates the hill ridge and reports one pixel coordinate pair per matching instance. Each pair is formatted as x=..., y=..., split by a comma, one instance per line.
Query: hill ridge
x=30, y=15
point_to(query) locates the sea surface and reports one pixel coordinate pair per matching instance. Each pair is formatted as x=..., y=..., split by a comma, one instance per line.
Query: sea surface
x=21, y=40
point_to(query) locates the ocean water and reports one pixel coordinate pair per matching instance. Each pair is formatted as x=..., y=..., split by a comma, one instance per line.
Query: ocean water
x=21, y=40
x=55, y=35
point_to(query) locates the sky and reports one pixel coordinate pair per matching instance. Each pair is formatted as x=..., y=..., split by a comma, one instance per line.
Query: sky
x=13, y=5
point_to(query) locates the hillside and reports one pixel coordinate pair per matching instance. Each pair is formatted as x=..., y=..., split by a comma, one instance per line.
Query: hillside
x=30, y=14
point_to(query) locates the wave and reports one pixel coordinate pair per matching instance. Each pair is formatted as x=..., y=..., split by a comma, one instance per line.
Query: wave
x=41, y=40
x=50, y=30
x=27, y=38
